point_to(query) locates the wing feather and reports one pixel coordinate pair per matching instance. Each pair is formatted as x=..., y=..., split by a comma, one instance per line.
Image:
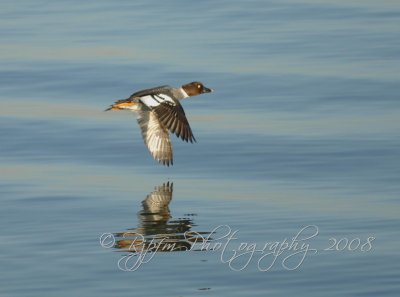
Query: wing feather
x=155, y=137
x=171, y=115
x=158, y=200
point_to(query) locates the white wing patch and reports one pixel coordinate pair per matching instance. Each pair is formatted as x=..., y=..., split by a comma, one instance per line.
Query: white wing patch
x=155, y=137
x=155, y=100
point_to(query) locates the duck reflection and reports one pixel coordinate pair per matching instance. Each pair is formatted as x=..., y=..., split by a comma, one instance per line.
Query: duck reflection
x=158, y=231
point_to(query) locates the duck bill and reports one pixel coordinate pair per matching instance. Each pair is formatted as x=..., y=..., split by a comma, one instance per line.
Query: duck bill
x=207, y=90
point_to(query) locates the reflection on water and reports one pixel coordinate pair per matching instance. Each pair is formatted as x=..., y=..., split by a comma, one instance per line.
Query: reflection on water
x=158, y=231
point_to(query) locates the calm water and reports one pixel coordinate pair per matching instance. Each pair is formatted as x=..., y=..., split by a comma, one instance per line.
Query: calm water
x=302, y=130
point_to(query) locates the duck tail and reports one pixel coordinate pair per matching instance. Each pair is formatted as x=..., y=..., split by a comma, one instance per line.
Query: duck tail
x=122, y=104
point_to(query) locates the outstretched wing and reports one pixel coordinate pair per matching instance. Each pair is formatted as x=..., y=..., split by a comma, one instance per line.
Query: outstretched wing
x=172, y=116
x=155, y=137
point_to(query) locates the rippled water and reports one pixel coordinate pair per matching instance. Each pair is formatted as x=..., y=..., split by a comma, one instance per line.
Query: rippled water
x=302, y=130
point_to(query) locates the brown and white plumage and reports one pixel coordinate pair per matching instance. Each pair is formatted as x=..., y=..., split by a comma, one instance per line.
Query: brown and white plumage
x=155, y=137
x=160, y=112
x=172, y=116
x=158, y=200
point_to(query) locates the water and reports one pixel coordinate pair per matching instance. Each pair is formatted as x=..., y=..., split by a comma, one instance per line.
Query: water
x=302, y=130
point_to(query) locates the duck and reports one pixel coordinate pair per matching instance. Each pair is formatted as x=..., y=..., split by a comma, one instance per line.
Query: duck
x=159, y=114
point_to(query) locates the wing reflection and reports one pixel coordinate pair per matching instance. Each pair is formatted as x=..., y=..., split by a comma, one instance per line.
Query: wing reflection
x=158, y=231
